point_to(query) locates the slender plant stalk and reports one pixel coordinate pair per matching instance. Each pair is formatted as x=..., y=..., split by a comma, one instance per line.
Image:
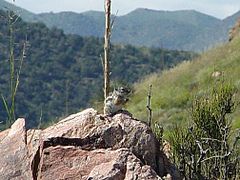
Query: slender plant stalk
x=149, y=106
x=14, y=72
x=107, y=48
x=66, y=97
x=7, y=109
x=12, y=68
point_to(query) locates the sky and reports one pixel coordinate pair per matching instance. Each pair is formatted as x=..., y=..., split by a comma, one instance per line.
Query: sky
x=217, y=8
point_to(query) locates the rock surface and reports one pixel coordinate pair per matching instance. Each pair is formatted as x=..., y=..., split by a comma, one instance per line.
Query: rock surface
x=96, y=164
x=14, y=161
x=84, y=146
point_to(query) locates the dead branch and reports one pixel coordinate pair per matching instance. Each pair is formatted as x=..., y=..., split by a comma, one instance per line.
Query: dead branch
x=149, y=105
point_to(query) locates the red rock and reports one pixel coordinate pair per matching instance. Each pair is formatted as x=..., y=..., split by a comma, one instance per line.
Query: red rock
x=33, y=145
x=3, y=134
x=14, y=161
x=120, y=131
x=84, y=146
x=90, y=131
x=98, y=164
x=74, y=126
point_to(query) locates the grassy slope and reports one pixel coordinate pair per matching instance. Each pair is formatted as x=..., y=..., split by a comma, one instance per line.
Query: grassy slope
x=173, y=90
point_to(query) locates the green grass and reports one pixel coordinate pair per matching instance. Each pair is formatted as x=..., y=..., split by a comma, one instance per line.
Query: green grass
x=174, y=90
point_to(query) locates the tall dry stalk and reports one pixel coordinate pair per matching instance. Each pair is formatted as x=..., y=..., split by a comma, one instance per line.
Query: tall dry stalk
x=14, y=71
x=107, y=48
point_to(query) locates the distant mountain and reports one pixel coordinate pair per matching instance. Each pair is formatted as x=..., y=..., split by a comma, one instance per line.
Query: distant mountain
x=189, y=30
x=231, y=20
x=185, y=30
x=182, y=30
x=84, y=24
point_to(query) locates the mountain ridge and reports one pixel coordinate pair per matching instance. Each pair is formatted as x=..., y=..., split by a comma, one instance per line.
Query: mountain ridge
x=181, y=29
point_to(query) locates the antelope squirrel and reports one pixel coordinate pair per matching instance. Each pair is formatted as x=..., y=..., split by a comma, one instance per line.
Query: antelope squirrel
x=115, y=101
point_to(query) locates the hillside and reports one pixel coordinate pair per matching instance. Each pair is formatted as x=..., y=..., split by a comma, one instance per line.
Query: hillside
x=63, y=73
x=174, y=89
x=182, y=30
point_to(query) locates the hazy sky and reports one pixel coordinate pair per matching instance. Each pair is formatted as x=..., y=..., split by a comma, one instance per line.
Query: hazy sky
x=217, y=8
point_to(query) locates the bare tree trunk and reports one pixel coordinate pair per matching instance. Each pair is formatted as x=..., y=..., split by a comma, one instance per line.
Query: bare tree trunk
x=107, y=48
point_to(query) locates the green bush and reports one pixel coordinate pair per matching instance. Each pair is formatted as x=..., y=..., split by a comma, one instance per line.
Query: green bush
x=208, y=149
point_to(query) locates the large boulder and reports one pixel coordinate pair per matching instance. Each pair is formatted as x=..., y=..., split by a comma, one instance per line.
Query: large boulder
x=96, y=131
x=86, y=146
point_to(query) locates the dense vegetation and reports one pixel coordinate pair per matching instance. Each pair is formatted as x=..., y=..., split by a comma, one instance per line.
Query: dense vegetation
x=209, y=148
x=174, y=90
x=63, y=73
x=182, y=30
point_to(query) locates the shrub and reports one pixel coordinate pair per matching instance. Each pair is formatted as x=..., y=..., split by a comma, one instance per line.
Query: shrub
x=208, y=149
